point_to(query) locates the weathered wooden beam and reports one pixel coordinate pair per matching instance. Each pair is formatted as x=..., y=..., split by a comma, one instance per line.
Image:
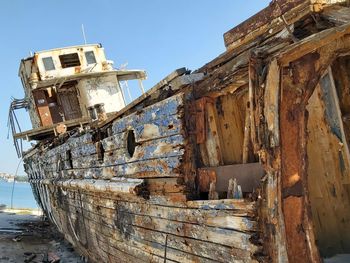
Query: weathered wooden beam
x=143, y=230
x=312, y=43
x=175, y=80
x=161, y=148
x=164, y=167
x=223, y=204
x=120, y=186
x=272, y=98
x=213, y=140
x=338, y=15
x=293, y=124
x=267, y=22
x=151, y=114
x=42, y=132
x=246, y=137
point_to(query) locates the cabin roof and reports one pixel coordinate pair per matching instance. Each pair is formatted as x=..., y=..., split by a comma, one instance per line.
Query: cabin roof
x=122, y=75
x=61, y=48
x=69, y=47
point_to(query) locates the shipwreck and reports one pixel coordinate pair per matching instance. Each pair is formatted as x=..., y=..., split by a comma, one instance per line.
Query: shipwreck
x=245, y=159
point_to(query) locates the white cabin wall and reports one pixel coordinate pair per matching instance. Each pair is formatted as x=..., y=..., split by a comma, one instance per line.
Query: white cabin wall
x=26, y=71
x=60, y=72
x=33, y=113
x=104, y=90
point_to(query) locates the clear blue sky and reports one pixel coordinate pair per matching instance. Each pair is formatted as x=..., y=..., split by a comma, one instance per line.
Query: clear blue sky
x=156, y=35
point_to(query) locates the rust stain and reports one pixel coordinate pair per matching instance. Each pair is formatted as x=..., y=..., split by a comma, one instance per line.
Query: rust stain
x=206, y=177
x=77, y=70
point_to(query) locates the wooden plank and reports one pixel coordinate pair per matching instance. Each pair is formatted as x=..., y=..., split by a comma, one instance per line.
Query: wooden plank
x=114, y=142
x=213, y=138
x=162, y=167
x=165, y=185
x=86, y=162
x=214, y=85
x=246, y=137
x=79, y=139
x=312, y=43
x=230, y=116
x=267, y=22
x=105, y=237
x=300, y=245
x=195, y=250
x=150, y=114
x=179, y=243
x=272, y=99
x=338, y=15
x=122, y=186
x=119, y=191
x=159, y=237
x=158, y=86
x=167, y=126
x=220, y=236
x=38, y=133
x=214, y=218
x=131, y=252
x=223, y=204
x=179, y=249
x=167, y=147
x=156, y=249
x=78, y=143
x=83, y=150
x=114, y=245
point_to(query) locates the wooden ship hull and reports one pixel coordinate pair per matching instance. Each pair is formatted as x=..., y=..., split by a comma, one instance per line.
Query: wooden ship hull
x=118, y=208
x=244, y=160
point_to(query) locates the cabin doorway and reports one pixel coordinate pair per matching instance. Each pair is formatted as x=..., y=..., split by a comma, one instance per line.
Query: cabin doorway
x=68, y=99
x=328, y=159
x=48, y=109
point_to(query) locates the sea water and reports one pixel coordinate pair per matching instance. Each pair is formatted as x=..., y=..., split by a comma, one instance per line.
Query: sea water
x=22, y=195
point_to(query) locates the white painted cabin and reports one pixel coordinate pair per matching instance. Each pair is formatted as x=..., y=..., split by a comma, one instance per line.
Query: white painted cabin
x=62, y=84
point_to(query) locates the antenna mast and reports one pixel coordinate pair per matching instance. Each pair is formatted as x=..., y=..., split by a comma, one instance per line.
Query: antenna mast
x=83, y=30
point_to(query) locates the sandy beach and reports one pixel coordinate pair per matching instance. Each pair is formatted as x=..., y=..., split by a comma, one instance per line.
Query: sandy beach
x=26, y=237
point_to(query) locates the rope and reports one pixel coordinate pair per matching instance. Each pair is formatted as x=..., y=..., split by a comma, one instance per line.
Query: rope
x=14, y=181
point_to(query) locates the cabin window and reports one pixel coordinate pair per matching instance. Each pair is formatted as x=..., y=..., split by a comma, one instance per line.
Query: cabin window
x=48, y=63
x=90, y=57
x=69, y=60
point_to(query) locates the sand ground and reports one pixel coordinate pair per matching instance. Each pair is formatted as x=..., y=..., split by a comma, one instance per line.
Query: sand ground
x=26, y=237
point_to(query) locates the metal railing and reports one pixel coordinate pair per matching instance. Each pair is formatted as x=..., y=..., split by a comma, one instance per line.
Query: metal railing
x=13, y=123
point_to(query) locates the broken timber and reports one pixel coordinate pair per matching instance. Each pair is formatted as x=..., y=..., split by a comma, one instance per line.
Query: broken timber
x=244, y=160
